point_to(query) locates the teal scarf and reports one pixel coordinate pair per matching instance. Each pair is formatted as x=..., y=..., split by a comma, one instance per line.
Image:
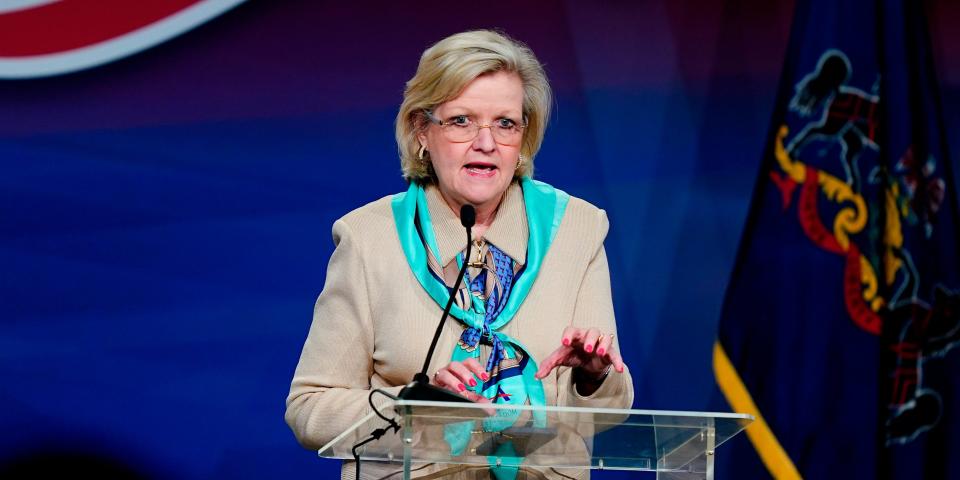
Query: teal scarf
x=515, y=384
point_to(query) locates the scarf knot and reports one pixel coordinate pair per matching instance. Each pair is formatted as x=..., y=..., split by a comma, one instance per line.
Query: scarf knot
x=473, y=336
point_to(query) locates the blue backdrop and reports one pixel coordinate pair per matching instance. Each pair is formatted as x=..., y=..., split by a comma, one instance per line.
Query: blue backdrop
x=165, y=219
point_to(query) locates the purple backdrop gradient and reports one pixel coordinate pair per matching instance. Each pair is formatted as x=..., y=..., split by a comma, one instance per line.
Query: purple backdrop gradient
x=166, y=218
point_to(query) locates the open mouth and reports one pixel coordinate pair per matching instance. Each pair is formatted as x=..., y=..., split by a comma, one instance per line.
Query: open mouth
x=480, y=168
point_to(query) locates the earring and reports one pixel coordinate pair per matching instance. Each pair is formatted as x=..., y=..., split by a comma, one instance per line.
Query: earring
x=420, y=152
x=520, y=161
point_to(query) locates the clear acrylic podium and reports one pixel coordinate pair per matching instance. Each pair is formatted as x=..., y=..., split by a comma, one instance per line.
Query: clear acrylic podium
x=676, y=445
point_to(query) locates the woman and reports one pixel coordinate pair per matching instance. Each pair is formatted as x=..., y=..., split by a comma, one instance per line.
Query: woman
x=534, y=322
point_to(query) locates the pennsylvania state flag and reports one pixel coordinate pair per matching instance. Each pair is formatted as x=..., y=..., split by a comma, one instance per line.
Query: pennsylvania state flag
x=842, y=317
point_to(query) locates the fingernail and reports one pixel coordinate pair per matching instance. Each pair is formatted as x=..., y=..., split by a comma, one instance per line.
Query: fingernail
x=601, y=351
x=461, y=387
x=620, y=369
x=588, y=348
x=473, y=383
x=484, y=376
x=566, y=342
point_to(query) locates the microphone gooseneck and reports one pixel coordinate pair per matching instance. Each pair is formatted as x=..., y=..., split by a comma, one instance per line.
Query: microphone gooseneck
x=420, y=388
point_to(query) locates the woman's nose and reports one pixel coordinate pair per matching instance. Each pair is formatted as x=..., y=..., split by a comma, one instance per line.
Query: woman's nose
x=484, y=140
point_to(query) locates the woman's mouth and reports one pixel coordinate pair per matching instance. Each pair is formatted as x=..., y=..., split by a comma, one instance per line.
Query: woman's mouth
x=480, y=169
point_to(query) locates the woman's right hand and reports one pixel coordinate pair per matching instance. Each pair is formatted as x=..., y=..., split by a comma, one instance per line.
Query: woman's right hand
x=458, y=376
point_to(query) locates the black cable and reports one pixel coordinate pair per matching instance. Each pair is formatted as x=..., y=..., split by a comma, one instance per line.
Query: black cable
x=373, y=436
x=374, y=407
x=376, y=434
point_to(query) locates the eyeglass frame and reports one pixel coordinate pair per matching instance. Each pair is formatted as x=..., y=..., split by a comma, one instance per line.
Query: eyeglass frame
x=436, y=121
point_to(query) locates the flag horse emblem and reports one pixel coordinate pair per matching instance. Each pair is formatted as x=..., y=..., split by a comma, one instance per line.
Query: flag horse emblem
x=880, y=284
x=850, y=115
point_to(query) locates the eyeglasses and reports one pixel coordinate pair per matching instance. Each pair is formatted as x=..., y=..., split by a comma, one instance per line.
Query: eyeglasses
x=462, y=128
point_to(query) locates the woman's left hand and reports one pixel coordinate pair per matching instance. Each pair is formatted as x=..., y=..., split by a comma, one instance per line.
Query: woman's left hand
x=588, y=349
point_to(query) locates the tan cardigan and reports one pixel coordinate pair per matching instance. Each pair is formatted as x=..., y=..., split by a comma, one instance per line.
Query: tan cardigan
x=373, y=322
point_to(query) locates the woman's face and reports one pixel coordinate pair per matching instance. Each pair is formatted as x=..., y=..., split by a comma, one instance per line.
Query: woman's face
x=477, y=171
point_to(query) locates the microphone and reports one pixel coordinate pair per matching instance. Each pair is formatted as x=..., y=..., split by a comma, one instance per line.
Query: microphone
x=420, y=388
x=468, y=217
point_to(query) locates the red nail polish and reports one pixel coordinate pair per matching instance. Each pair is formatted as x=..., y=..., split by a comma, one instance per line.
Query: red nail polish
x=485, y=377
x=589, y=348
x=601, y=352
x=461, y=387
x=566, y=342
x=473, y=383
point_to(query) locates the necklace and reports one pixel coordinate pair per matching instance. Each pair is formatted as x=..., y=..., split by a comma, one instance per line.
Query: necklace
x=478, y=263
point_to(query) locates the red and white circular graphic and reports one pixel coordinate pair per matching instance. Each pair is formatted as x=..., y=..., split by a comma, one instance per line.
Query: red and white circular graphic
x=41, y=38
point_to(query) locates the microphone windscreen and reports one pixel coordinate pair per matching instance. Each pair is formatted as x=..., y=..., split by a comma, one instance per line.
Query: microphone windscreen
x=468, y=216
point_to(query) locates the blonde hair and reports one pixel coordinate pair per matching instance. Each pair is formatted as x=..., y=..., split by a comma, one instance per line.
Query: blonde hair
x=447, y=68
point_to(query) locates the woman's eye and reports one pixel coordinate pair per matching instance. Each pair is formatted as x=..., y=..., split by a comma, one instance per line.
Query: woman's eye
x=459, y=120
x=506, y=123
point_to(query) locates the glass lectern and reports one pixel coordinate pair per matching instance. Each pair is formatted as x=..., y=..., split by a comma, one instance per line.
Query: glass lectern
x=676, y=445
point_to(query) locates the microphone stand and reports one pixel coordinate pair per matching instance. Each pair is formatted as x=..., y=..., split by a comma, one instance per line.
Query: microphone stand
x=420, y=388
